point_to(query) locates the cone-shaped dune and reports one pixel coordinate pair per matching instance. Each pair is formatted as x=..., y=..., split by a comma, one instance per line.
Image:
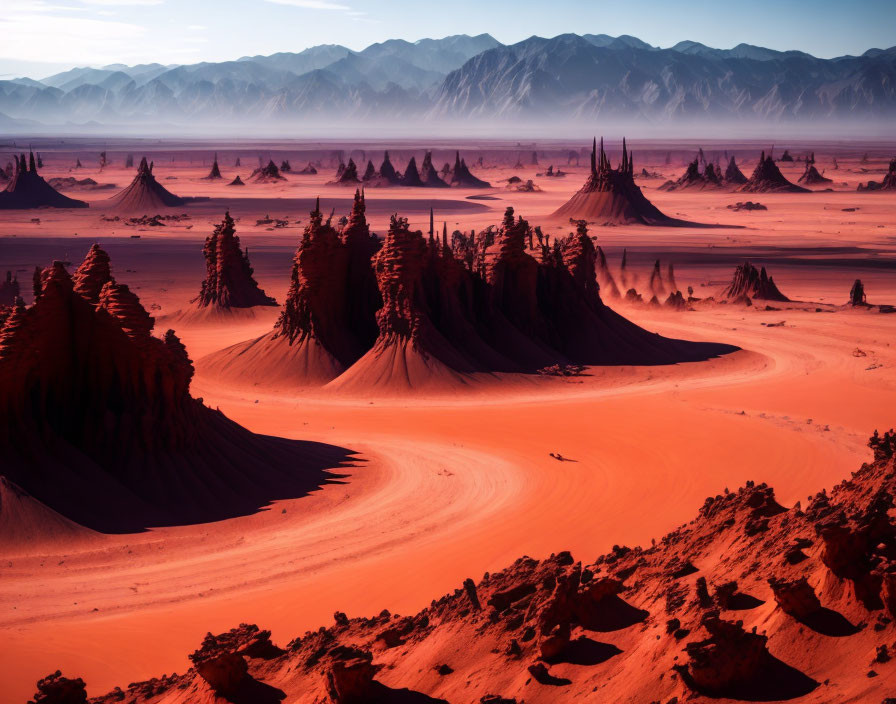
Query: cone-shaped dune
x=145, y=194
x=808, y=577
x=611, y=195
x=767, y=178
x=97, y=422
x=483, y=304
x=27, y=189
x=754, y=283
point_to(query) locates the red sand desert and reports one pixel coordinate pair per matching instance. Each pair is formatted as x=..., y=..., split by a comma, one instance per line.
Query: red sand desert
x=449, y=467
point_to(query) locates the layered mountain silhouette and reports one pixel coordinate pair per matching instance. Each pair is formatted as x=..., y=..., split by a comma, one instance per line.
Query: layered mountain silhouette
x=570, y=77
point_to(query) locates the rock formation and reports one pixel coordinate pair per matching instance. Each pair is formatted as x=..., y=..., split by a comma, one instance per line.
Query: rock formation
x=611, y=195
x=9, y=290
x=887, y=184
x=767, y=178
x=753, y=283
x=215, y=173
x=810, y=176
x=733, y=175
x=237, y=182
x=129, y=162
x=428, y=174
x=347, y=175
x=285, y=166
x=481, y=303
x=697, y=176
x=96, y=416
x=328, y=320
x=228, y=275
x=268, y=173
x=27, y=189
x=93, y=274
x=856, y=293
x=369, y=172
x=547, y=630
x=411, y=177
x=605, y=277
x=145, y=194
x=461, y=176
x=309, y=170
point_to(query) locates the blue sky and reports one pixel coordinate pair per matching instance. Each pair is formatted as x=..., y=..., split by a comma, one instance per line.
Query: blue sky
x=40, y=37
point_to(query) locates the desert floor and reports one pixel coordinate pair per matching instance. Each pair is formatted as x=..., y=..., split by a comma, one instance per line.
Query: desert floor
x=453, y=484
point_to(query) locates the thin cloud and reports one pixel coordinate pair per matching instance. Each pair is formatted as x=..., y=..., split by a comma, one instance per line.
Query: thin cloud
x=312, y=4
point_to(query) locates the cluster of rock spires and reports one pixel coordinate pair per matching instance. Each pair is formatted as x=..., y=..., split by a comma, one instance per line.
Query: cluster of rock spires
x=9, y=290
x=767, y=178
x=750, y=282
x=610, y=196
x=425, y=176
x=27, y=189
x=675, y=621
x=810, y=176
x=269, y=173
x=701, y=175
x=228, y=275
x=424, y=308
x=887, y=184
x=96, y=414
x=144, y=194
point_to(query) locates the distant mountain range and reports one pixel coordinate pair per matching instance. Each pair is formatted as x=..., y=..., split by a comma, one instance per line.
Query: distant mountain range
x=570, y=79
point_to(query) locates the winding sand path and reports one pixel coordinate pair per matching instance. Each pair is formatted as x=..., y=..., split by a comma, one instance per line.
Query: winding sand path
x=451, y=487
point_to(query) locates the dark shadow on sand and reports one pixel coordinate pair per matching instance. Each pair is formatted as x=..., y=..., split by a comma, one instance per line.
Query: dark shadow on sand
x=586, y=651
x=387, y=695
x=227, y=472
x=828, y=622
x=777, y=681
x=743, y=602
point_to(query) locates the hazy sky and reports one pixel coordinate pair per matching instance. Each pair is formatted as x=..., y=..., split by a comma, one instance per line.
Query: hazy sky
x=40, y=37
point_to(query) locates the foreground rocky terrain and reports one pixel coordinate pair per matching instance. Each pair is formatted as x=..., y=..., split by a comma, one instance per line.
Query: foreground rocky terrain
x=750, y=601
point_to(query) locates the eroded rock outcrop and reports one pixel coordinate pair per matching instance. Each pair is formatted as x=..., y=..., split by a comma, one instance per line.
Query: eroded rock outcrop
x=9, y=289
x=461, y=177
x=215, y=173
x=767, y=178
x=733, y=175
x=268, y=173
x=229, y=281
x=810, y=176
x=857, y=295
x=697, y=176
x=611, y=195
x=887, y=184
x=753, y=283
x=27, y=189
x=87, y=391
